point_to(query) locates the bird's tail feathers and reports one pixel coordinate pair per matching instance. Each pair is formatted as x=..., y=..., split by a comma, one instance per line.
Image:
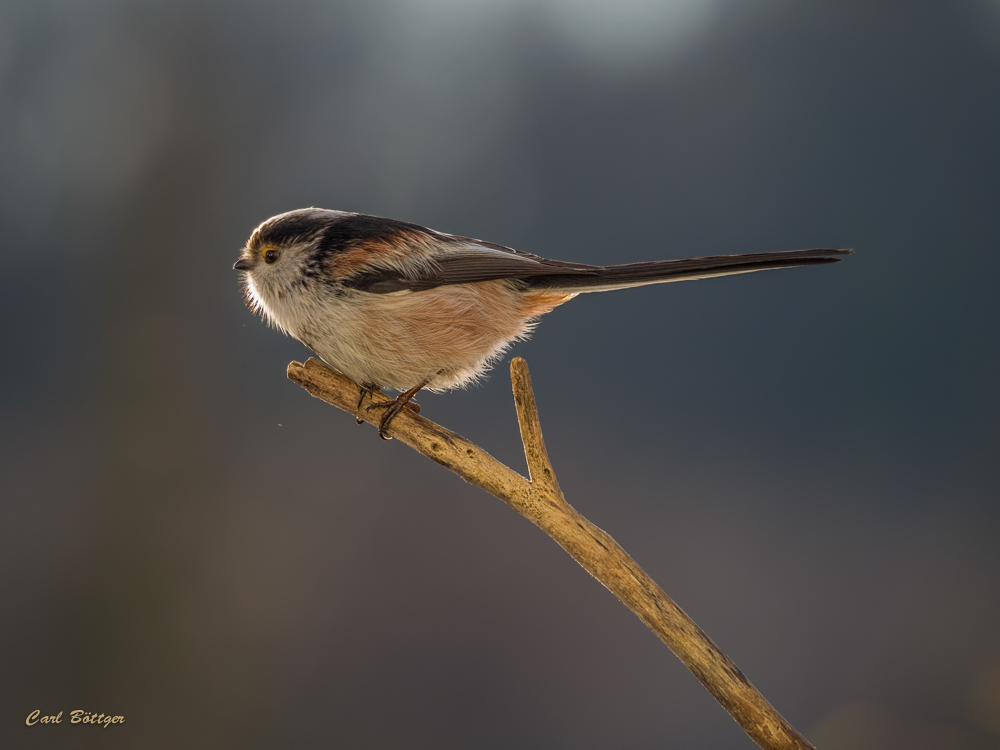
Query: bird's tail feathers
x=606, y=278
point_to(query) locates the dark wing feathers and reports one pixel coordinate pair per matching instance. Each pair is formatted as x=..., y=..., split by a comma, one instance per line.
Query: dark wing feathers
x=462, y=260
x=466, y=268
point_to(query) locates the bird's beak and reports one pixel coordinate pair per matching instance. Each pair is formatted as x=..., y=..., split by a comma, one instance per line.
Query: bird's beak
x=242, y=265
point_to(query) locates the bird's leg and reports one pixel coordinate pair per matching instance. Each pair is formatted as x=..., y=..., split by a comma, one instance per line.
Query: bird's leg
x=367, y=389
x=370, y=389
x=394, y=407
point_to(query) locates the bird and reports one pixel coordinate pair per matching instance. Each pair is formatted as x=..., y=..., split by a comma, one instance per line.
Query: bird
x=396, y=305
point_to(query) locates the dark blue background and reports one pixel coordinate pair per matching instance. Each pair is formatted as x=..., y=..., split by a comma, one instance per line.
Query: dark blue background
x=806, y=460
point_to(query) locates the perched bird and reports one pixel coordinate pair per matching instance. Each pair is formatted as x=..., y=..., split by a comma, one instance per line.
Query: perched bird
x=396, y=305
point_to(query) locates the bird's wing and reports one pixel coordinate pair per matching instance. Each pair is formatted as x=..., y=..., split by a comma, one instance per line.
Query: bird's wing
x=461, y=260
x=432, y=259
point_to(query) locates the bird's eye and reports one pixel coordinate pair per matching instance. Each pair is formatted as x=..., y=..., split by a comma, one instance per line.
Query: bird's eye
x=270, y=255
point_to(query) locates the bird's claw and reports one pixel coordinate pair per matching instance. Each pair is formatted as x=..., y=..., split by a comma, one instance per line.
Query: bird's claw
x=370, y=392
x=392, y=408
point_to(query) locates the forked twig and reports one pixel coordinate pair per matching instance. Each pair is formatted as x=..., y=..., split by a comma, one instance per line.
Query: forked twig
x=540, y=500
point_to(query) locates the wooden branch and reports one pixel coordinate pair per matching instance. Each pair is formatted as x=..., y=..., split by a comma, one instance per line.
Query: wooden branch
x=541, y=501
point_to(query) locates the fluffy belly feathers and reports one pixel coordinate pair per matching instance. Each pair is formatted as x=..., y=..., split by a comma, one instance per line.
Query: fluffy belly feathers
x=448, y=335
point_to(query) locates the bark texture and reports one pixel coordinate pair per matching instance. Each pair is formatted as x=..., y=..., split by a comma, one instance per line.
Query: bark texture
x=540, y=500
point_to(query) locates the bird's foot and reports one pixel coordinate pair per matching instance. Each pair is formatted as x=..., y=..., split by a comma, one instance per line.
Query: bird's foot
x=392, y=408
x=367, y=389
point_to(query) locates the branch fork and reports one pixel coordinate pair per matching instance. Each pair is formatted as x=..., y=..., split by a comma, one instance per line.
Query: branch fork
x=539, y=499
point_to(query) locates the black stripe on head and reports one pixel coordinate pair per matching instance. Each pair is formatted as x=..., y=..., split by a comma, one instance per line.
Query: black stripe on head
x=286, y=229
x=351, y=230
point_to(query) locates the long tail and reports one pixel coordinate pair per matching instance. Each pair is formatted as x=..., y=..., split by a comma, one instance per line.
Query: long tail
x=663, y=271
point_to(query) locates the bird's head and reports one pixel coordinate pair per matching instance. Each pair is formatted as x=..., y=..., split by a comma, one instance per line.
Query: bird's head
x=285, y=256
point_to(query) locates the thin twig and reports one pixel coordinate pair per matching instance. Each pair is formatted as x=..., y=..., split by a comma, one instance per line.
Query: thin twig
x=541, y=501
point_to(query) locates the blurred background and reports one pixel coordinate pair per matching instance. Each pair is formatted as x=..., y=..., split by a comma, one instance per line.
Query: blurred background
x=191, y=541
